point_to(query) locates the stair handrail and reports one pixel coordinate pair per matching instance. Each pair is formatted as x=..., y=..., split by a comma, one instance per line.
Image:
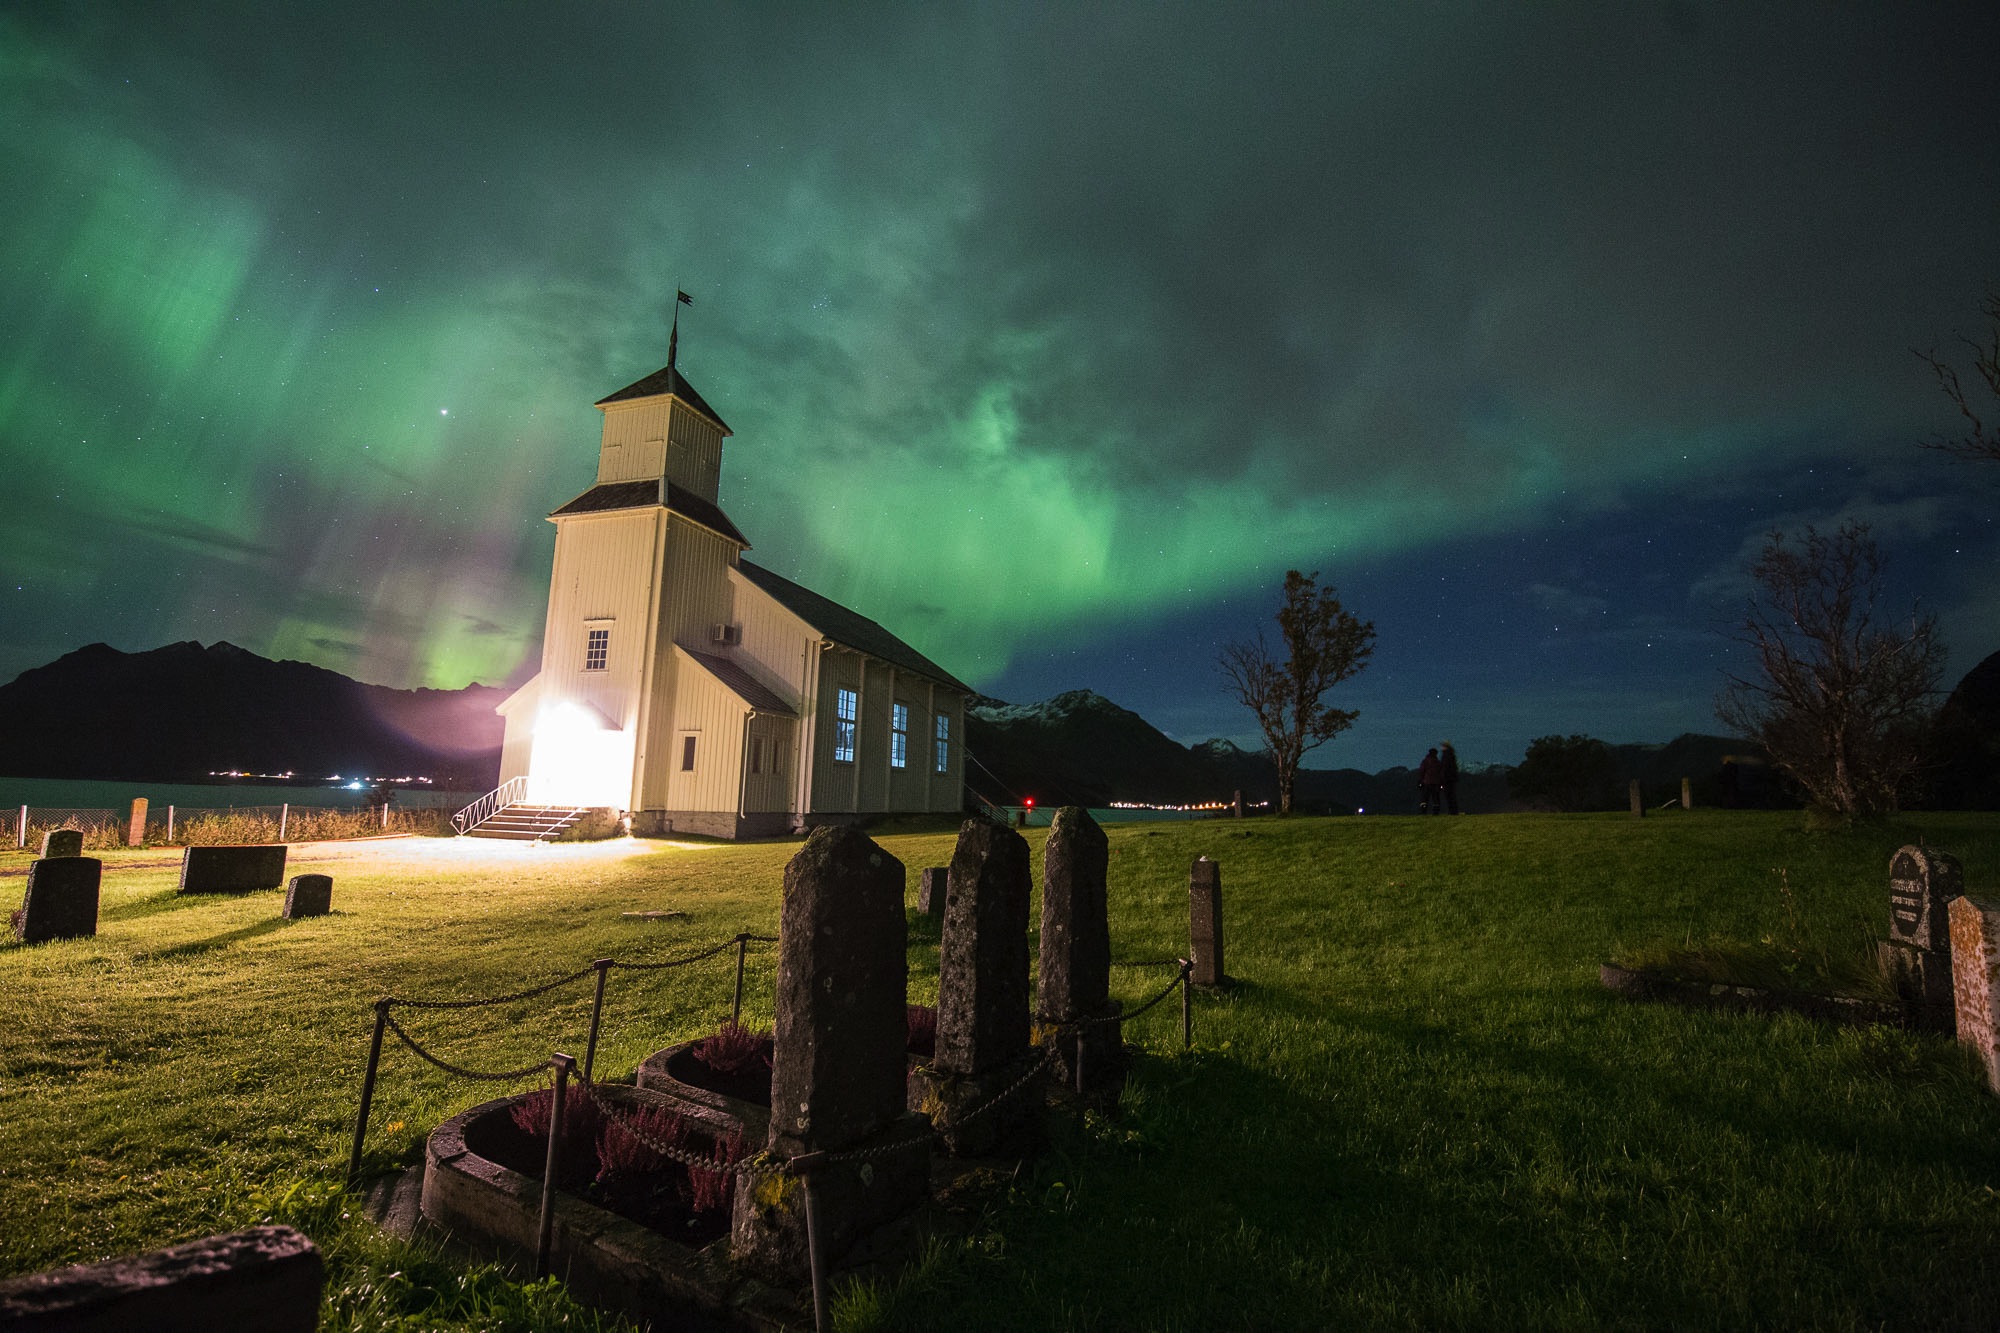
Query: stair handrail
x=489, y=805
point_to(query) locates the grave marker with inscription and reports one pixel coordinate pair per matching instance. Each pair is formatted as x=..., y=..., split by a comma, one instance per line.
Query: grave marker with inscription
x=1916, y=958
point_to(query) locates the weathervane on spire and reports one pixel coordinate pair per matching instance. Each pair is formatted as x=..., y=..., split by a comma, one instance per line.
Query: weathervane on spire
x=681, y=298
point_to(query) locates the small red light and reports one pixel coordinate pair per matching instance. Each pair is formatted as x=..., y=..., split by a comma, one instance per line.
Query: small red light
x=1031, y=802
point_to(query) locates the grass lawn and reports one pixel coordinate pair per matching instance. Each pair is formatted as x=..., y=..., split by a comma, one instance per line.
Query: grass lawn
x=1417, y=1110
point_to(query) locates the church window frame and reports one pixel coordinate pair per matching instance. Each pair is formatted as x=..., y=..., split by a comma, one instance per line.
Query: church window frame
x=899, y=735
x=596, y=645
x=846, y=711
x=943, y=731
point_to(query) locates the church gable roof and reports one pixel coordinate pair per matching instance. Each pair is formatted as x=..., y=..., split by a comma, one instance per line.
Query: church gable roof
x=740, y=682
x=848, y=628
x=666, y=380
x=612, y=495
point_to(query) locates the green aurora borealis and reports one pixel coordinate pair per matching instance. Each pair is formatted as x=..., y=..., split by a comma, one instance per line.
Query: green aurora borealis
x=1050, y=337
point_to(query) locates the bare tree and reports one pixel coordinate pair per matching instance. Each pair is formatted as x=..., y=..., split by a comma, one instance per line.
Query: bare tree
x=1981, y=442
x=1323, y=645
x=1842, y=696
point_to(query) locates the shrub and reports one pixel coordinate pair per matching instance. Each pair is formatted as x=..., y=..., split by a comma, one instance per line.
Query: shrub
x=733, y=1049
x=581, y=1117
x=714, y=1189
x=619, y=1153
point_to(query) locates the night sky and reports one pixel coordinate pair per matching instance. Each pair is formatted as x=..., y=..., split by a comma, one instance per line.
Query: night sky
x=1051, y=336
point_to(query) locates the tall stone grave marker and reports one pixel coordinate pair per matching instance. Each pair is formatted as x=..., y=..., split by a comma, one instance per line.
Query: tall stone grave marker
x=1075, y=969
x=1205, y=922
x=1916, y=958
x=135, y=831
x=1975, y=956
x=931, y=889
x=982, y=1013
x=838, y=1065
x=62, y=842
x=61, y=902
x=1638, y=800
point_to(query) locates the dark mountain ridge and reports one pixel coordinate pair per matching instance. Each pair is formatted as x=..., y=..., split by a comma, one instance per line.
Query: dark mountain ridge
x=181, y=712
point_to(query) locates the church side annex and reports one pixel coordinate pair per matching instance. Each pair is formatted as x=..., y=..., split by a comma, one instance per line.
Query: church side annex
x=701, y=693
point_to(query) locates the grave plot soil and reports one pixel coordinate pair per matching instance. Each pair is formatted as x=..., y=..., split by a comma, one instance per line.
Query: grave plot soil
x=750, y=1084
x=655, y=1199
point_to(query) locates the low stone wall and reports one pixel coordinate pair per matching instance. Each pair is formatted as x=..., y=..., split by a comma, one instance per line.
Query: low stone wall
x=266, y=1278
x=1638, y=984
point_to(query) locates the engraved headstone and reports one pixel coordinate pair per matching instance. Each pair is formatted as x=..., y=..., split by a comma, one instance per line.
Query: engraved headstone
x=62, y=842
x=1074, y=974
x=1205, y=922
x=61, y=901
x=931, y=891
x=838, y=1064
x=1975, y=952
x=308, y=895
x=1916, y=958
x=135, y=831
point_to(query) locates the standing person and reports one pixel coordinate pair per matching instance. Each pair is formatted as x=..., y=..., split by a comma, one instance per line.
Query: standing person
x=1448, y=775
x=1430, y=783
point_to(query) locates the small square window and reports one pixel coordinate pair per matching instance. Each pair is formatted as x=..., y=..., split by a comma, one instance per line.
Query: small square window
x=687, y=754
x=596, y=649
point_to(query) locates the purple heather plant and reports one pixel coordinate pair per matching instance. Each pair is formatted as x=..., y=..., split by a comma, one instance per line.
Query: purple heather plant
x=713, y=1189
x=733, y=1049
x=580, y=1117
x=921, y=1022
x=619, y=1153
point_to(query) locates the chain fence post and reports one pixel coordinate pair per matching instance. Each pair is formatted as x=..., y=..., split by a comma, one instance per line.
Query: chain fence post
x=546, y=1229
x=367, y=1090
x=603, y=966
x=21, y=830
x=736, y=1004
x=1187, y=1005
x=816, y=1259
x=170, y=824
x=284, y=818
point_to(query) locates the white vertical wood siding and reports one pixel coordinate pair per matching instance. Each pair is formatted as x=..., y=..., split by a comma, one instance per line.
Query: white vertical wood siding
x=518, y=729
x=776, y=740
x=869, y=785
x=694, y=453
x=711, y=712
x=603, y=572
x=634, y=447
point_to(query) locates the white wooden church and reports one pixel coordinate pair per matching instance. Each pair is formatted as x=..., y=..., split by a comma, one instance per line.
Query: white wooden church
x=698, y=692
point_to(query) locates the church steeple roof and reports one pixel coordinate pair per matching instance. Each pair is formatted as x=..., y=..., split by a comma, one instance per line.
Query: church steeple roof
x=667, y=380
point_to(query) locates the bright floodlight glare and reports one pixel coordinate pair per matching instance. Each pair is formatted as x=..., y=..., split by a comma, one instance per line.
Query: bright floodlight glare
x=578, y=758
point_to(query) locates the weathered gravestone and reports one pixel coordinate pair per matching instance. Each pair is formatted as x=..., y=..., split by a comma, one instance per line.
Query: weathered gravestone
x=62, y=842
x=1916, y=958
x=61, y=902
x=982, y=1047
x=1075, y=968
x=931, y=891
x=1975, y=956
x=1205, y=922
x=308, y=895
x=242, y=869
x=135, y=829
x=838, y=1064
x=266, y=1278
x=1638, y=800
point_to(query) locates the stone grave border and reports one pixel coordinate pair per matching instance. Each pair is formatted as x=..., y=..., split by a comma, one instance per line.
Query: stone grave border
x=760, y=1164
